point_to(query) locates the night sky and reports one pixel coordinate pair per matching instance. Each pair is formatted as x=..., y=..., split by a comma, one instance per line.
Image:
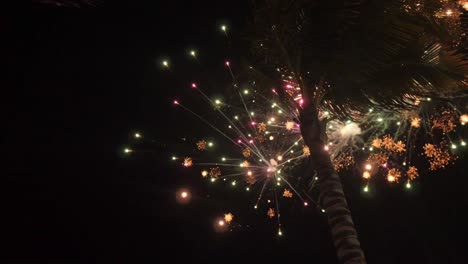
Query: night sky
x=83, y=80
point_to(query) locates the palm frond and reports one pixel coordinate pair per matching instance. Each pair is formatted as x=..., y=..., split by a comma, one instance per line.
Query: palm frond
x=370, y=53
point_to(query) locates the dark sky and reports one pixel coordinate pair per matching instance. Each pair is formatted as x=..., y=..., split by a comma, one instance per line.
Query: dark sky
x=84, y=79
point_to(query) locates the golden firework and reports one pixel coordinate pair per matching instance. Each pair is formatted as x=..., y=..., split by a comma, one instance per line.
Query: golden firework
x=246, y=152
x=187, y=162
x=215, y=172
x=245, y=164
x=464, y=119
x=204, y=173
x=249, y=178
x=412, y=173
x=306, y=150
x=438, y=157
x=261, y=127
x=415, y=122
x=387, y=142
x=228, y=217
x=393, y=175
x=201, y=145
x=271, y=213
x=287, y=193
x=377, y=143
x=444, y=122
x=366, y=175
x=399, y=146
x=377, y=159
x=289, y=125
x=344, y=162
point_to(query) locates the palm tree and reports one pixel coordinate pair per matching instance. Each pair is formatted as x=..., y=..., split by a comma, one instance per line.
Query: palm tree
x=349, y=55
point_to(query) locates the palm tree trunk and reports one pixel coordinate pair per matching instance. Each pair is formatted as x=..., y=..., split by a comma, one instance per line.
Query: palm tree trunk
x=331, y=195
x=334, y=203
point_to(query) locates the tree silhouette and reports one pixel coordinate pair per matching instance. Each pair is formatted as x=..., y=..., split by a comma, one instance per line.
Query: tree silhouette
x=349, y=55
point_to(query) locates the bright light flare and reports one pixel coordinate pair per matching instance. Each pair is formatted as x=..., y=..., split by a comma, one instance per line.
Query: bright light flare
x=183, y=196
x=127, y=150
x=366, y=175
x=220, y=225
x=464, y=119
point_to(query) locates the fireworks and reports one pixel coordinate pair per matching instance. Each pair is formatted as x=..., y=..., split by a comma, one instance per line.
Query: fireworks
x=464, y=119
x=289, y=125
x=228, y=217
x=245, y=164
x=263, y=143
x=246, y=152
x=187, y=162
x=250, y=179
x=415, y=122
x=271, y=213
x=377, y=143
x=378, y=159
x=445, y=121
x=215, y=172
x=287, y=193
x=438, y=157
x=344, y=162
x=306, y=150
x=412, y=173
x=201, y=145
x=261, y=127
x=393, y=175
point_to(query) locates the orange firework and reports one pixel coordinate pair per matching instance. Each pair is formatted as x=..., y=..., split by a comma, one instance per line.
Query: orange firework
x=201, y=145
x=187, y=162
x=246, y=152
x=289, y=125
x=415, y=122
x=261, y=127
x=393, y=175
x=249, y=178
x=444, y=122
x=412, y=173
x=377, y=158
x=377, y=143
x=287, y=193
x=438, y=157
x=306, y=150
x=228, y=217
x=271, y=213
x=215, y=172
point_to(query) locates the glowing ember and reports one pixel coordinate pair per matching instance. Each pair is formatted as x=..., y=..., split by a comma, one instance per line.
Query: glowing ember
x=412, y=173
x=287, y=193
x=306, y=150
x=187, y=162
x=201, y=145
x=393, y=175
x=228, y=217
x=289, y=125
x=246, y=152
x=415, y=122
x=215, y=172
x=271, y=213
